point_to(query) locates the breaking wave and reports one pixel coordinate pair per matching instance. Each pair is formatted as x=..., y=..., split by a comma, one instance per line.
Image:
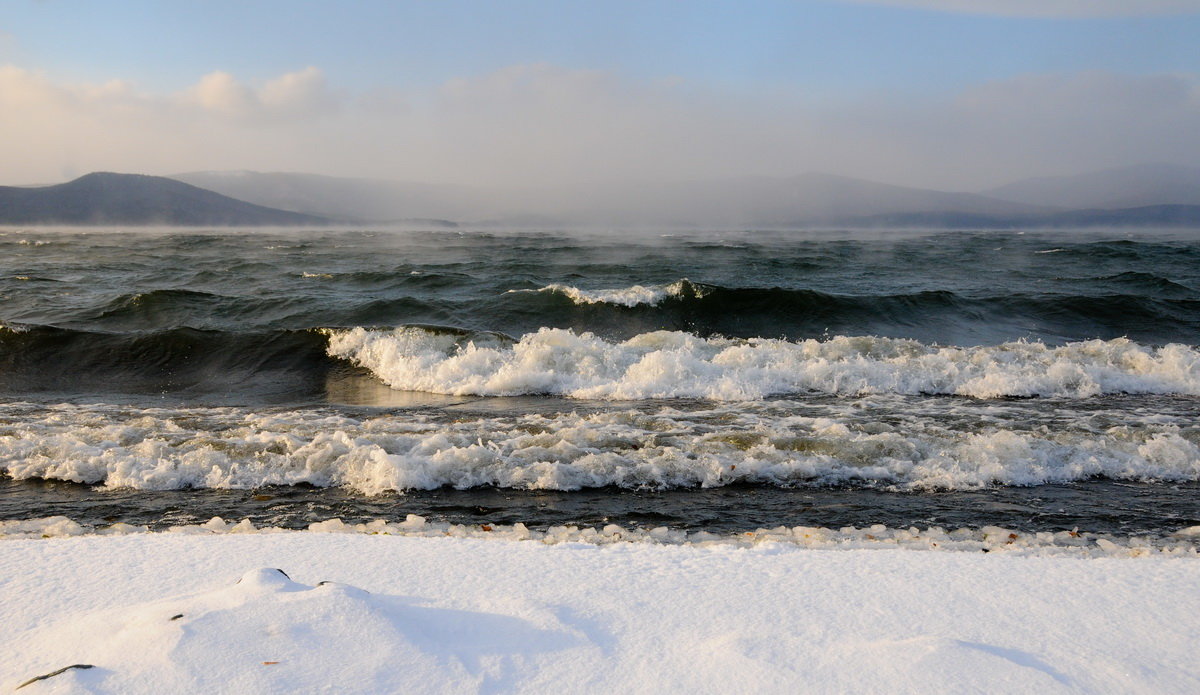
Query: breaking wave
x=666, y=364
x=629, y=296
x=164, y=449
x=561, y=362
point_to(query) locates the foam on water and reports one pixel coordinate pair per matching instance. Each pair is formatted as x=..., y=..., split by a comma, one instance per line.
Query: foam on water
x=159, y=449
x=668, y=364
x=625, y=296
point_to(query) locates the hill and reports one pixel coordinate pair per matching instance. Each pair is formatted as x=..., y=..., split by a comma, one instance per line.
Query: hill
x=1134, y=186
x=133, y=199
x=349, y=199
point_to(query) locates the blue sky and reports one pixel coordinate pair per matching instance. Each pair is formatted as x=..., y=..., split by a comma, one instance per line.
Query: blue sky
x=798, y=43
x=817, y=62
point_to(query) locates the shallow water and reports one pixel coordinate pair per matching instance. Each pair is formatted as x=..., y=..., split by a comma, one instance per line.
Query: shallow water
x=1100, y=506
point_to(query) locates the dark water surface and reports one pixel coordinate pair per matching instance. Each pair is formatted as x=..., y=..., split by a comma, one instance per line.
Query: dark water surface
x=1109, y=507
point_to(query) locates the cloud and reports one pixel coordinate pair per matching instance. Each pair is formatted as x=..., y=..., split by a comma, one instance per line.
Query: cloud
x=1047, y=8
x=220, y=91
x=541, y=124
x=295, y=94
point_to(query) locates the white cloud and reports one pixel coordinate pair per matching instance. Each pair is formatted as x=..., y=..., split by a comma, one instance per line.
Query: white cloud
x=541, y=124
x=294, y=94
x=298, y=92
x=1047, y=8
x=220, y=91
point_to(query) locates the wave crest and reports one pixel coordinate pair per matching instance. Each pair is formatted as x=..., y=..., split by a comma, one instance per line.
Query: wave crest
x=667, y=364
x=636, y=295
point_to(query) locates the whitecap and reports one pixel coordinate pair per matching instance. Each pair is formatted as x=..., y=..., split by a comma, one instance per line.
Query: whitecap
x=668, y=364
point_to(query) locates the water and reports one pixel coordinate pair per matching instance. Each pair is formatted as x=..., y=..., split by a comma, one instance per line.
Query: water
x=702, y=380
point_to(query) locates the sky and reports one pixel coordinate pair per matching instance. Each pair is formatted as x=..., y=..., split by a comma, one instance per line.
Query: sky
x=951, y=94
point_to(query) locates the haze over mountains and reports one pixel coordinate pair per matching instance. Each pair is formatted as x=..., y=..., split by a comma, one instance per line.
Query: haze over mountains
x=1144, y=195
x=1125, y=187
x=1166, y=192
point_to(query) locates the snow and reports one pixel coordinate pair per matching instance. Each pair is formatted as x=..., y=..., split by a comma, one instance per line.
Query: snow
x=476, y=614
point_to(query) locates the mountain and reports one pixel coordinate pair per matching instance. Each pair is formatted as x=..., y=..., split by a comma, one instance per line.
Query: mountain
x=132, y=199
x=752, y=201
x=807, y=199
x=1126, y=187
x=1142, y=216
x=1159, y=216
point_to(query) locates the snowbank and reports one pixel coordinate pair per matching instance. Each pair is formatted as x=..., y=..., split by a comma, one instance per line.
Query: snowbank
x=191, y=612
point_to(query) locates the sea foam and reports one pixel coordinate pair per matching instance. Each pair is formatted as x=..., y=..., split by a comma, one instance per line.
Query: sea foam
x=625, y=296
x=159, y=449
x=667, y=364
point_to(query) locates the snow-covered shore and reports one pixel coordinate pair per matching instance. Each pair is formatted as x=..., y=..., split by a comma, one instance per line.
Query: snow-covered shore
x=474, y=614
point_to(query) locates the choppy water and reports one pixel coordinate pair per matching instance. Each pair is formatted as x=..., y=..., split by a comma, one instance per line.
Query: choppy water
x=704, y=380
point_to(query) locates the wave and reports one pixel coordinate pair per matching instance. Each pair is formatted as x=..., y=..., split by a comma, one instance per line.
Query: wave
x=165, y=449
x=1143, y=306
x=636, y=295
x=1149, y=283
x=666, y=364
x=560, y=362
x=1145, y=286
x=43, y=358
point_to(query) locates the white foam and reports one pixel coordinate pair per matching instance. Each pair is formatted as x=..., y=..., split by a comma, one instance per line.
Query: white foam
x=631, y=448
x=625, y=296
x=666, y=364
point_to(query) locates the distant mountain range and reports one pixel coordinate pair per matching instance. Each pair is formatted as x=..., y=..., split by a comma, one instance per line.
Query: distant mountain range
x=1145, y=195
x=1144, y=216
x=132, y=199
x=759, y=201
x=1126, y=187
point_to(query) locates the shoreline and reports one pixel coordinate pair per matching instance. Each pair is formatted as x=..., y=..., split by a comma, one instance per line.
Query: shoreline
x=988, y=538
